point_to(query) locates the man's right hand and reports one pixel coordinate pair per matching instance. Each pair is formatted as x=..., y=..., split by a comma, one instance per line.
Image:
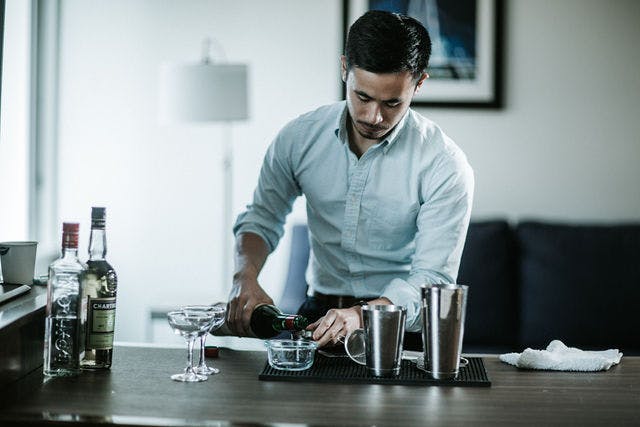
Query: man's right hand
x=246, y=294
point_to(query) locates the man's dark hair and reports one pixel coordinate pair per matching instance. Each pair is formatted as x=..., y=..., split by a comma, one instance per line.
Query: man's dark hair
x=385, y=42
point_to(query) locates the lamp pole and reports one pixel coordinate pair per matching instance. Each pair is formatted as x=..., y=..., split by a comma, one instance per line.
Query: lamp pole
x=227, y=179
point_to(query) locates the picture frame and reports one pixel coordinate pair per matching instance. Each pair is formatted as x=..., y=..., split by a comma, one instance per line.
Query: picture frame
x=465, y=68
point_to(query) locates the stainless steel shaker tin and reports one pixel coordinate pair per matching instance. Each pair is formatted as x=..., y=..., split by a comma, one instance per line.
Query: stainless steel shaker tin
x=443, y=313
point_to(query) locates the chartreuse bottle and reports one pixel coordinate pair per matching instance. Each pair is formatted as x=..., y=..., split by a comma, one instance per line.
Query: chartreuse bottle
x=98, y=298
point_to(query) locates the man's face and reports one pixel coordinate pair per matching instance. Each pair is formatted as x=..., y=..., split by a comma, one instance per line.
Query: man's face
x=377, y=102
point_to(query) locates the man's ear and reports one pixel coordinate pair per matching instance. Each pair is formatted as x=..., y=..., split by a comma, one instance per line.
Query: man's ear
x=421, y=80
x=343, y=68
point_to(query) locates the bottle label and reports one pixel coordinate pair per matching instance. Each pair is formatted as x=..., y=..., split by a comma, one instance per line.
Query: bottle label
x=62, y=350
x=290, y=323
x=101, y=320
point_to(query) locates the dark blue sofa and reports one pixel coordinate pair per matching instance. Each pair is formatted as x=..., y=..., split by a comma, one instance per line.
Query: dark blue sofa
x=533, y=282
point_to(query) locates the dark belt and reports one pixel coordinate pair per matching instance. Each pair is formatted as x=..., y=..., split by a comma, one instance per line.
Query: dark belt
x=339, y=301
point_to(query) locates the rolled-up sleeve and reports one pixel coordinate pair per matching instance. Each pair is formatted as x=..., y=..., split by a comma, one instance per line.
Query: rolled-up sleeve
x=275, y=193
x=442, y=223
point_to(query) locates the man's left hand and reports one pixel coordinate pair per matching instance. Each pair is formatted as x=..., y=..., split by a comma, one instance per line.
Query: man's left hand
x=334, y=326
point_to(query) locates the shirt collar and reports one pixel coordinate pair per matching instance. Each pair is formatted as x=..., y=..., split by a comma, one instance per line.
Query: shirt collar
x=341, y=124
x=342, y=135
x=393, y=136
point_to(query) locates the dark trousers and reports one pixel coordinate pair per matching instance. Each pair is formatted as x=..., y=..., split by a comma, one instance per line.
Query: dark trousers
x=313, y=309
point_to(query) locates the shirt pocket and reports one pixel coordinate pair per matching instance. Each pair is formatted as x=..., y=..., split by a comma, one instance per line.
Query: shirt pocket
x=393, y=225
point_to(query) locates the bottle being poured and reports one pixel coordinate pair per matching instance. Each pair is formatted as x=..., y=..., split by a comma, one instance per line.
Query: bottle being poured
x=267, y=321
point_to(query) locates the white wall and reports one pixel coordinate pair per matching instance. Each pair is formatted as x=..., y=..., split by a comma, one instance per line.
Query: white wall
x=162, y=185
x=567, y=144
x=565, y=147
x=14, y=125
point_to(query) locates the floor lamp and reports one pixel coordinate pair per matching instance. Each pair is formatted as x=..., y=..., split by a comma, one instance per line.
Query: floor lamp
x=208, y=92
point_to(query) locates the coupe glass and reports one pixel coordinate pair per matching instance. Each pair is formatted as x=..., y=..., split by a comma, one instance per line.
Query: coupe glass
x=218, y=313
x=190, y=325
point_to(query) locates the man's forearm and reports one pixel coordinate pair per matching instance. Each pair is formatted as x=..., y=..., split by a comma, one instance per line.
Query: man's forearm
x=250, y=255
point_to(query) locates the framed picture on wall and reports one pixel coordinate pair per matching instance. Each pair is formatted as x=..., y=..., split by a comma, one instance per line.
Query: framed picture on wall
x=465, y=68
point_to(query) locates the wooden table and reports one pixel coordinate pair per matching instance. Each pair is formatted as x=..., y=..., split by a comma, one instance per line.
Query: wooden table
x=138, y=391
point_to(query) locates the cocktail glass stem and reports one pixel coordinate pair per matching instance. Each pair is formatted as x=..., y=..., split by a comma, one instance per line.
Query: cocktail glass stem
x=189, y=374
x=202, y=365
x=189, y=369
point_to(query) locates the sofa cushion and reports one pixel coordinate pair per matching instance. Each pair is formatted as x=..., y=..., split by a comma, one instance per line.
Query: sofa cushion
x=487, y=267
x=579, y=284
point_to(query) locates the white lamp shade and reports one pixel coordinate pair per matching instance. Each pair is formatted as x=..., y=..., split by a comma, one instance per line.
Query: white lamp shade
x=204, y=92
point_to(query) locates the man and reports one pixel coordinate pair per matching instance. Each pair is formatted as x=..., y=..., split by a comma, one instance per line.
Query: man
x=388, y=193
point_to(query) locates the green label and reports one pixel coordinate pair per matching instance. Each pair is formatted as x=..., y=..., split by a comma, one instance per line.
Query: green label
x=101, y=320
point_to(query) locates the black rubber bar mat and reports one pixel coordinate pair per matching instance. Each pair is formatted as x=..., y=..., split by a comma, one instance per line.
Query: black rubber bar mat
x=344, y=370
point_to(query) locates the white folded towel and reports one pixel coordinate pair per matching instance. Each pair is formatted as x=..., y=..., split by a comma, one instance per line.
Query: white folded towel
x=559, y=357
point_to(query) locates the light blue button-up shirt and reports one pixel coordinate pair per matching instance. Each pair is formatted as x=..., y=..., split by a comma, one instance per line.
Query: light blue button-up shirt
x=384, y=224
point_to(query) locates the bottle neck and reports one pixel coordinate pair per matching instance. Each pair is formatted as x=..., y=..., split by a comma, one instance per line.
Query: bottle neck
x=69, y=245
x=289, y=322
x=69, y=253
x=97, y=244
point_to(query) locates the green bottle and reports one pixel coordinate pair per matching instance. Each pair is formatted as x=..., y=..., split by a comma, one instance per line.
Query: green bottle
x=267, y=321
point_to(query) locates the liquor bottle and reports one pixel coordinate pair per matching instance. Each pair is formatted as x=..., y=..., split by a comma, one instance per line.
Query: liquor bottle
x=267, y=321
x=62, y=336
x=98, y=298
